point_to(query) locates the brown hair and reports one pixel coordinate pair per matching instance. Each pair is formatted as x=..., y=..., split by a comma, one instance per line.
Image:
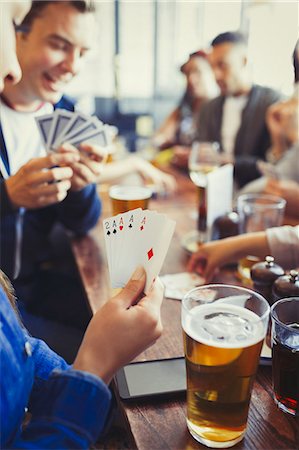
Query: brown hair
x=9, y=290
x=38, y=6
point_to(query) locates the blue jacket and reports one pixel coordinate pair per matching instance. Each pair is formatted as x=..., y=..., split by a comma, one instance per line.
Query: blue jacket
x=68, y=408
x=78, y=212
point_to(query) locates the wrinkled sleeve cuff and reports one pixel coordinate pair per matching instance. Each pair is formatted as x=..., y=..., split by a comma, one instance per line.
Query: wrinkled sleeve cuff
x=75, y=399
x=284, y=245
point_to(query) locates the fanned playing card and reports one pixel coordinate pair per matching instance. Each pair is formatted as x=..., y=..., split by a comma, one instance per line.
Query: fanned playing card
x=136, y=238
x=74, y=127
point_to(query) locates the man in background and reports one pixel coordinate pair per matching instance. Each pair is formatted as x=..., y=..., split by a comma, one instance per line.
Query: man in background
x=236, y=118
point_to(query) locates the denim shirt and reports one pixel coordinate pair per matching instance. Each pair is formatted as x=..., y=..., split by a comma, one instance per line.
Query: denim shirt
x=68, y=408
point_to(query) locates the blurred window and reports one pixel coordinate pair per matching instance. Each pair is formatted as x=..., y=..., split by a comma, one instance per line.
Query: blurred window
x=153, y=38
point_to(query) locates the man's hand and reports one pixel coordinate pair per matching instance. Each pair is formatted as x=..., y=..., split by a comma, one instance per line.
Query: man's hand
x=89, y=166
x=125, y=326
x=41, y=181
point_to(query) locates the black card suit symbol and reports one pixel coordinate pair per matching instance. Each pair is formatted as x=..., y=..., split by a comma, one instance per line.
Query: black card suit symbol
x=114, y=231
x=130, y=226
x=108, y=233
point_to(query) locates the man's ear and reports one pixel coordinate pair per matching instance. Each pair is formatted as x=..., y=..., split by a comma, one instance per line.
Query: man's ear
x=20, y=37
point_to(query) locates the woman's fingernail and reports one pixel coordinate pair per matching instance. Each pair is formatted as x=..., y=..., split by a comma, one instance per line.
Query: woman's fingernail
x=138, y=274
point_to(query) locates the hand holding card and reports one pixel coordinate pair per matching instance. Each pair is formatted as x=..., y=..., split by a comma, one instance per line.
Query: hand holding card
x=136, y=238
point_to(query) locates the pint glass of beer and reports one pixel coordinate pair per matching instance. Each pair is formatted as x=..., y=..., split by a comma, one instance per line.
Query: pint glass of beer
x=285, y=354
x=223, y=330
x=125, y=198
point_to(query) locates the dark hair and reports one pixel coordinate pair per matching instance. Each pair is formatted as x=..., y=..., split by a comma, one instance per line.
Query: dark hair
x=197, y=54
x=39, y=5
x=233, y=37
x=296, y=61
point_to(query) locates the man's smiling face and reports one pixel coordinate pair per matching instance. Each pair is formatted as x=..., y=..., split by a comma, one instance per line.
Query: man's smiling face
x=51, y=53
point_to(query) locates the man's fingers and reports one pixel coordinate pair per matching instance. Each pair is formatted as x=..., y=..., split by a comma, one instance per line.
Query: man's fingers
x=94, y=152
x=52, y=175
x=54, y=188
x=54, y=159
x=83, y=172
x=46, y=200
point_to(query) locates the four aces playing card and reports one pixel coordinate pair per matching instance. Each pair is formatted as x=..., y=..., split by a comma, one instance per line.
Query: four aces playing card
x=136, y=238
x=74, y=127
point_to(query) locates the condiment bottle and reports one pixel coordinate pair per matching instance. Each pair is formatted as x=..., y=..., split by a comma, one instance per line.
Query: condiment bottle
x=286, y=286
x=225, y=226
x=263, y=275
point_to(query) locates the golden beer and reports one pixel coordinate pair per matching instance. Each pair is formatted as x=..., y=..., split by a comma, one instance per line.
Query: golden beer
x=244, y=268
x=126, y=198
x=222, y=344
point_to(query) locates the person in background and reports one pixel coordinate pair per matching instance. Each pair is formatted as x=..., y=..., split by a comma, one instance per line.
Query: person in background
x=281, y=173
x=67, y=405
x=283, y=117
x=179, y=128
x=237, y=118
x=280, y=242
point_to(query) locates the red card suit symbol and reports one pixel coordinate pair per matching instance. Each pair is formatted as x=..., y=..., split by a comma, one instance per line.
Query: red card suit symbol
x=121, y=227
x=141, y=228
x=150, y=254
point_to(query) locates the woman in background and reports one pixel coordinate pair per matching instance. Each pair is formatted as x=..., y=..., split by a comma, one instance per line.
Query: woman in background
x=180, y=126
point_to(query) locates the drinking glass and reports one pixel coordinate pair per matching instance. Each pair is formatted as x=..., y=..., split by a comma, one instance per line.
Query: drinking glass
x=257, y=212
x=285, y=354
x=223, y=329
x=203, y=159
x=124, y=198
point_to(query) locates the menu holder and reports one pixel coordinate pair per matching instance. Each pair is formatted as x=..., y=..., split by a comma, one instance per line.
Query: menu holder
x=219, y=193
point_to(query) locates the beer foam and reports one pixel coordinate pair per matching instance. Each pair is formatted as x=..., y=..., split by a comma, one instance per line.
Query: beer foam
x=130, y=193
x=224, y=326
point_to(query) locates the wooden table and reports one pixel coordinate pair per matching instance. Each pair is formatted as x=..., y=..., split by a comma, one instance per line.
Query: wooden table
x=161, y=424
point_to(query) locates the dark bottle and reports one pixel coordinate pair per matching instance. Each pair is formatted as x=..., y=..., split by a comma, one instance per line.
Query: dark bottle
x=286, y=286
x=225, y=226
x=263, y=275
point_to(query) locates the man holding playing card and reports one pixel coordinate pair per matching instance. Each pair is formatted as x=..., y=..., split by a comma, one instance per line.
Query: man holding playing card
x=40, y=189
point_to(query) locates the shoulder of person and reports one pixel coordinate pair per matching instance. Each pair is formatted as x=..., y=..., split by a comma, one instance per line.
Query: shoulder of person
x=266, y=93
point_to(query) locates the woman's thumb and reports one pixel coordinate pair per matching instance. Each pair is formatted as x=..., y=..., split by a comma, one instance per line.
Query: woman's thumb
x=134, y=287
